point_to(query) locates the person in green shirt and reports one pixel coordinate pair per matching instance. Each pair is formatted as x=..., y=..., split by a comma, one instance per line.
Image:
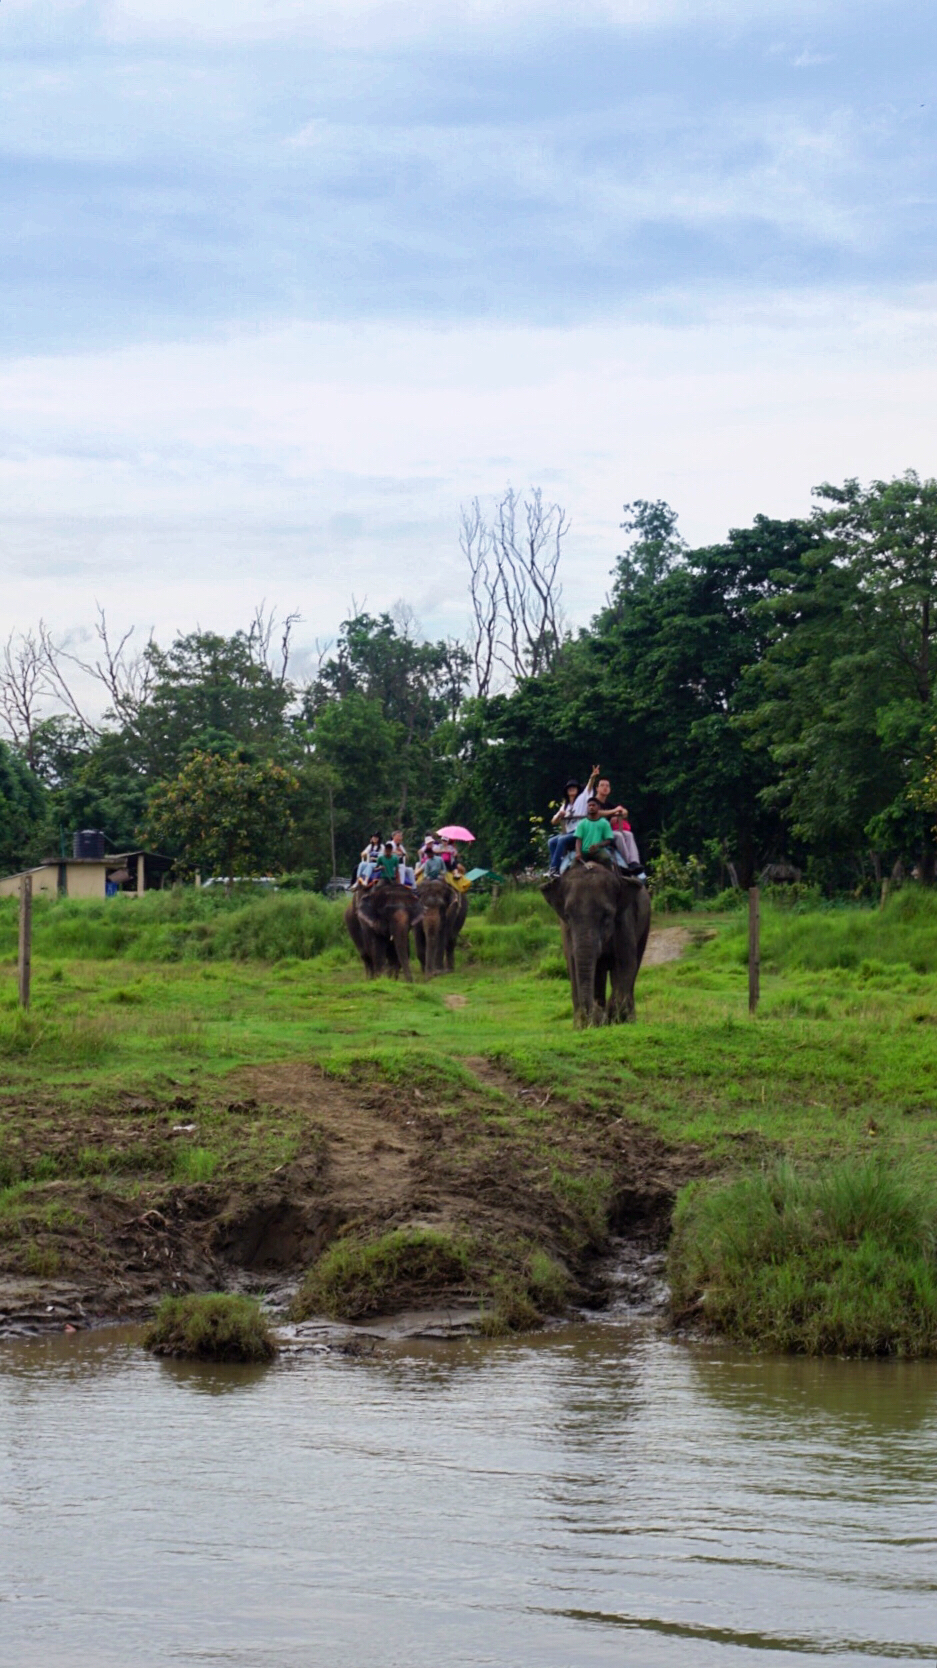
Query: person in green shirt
x=594, y=835
x=388, y=862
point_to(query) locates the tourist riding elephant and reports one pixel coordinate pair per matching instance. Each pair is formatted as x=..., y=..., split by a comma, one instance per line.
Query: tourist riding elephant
x=379, y=920
x=435, y=934
x=606, y=918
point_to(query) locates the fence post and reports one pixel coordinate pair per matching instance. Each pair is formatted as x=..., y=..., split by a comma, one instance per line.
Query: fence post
x=26, y=937
x=754, y=948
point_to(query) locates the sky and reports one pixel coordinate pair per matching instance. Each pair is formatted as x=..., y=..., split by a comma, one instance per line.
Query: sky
x=284, y=284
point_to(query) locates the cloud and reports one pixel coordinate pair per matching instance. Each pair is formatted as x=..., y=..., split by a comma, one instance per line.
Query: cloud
x=180, y=482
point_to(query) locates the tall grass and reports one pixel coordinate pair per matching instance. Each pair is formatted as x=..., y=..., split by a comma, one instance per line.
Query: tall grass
x=836, y=1261
x=901, y=937
x=183, y=925
x=516, y=928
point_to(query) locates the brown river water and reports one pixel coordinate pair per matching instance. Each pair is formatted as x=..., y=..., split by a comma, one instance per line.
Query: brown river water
x=597, y=1495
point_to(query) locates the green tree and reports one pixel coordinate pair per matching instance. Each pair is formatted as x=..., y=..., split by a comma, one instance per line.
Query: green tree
x=381, y=716
x=847, y=697
x=24, y=824
x=205, y=687
x=225, y=814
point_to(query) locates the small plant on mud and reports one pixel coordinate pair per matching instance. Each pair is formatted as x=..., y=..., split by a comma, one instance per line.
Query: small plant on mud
x=194, y=1164
x=222, y=1326
x=357, y=1277
x=534, y=1286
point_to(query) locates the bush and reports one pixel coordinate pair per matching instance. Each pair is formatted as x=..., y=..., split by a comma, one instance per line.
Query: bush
x=222, y=1326
x=840, y=1261
x=671, y=900
x=357, y=1277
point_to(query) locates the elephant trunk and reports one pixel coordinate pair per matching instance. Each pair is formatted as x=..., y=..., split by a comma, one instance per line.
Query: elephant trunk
x=585, y=956
x=432, y=926
x=400, y=933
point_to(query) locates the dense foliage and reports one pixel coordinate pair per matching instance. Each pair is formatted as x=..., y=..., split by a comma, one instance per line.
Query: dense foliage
x=770, y=697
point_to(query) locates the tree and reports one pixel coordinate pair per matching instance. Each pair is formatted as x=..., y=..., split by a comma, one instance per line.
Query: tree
x=513, y=563
x=225, y=814
x=847, y=684
x=204, y=686
x=24, y=826
x=376, y=713
x=657, y=548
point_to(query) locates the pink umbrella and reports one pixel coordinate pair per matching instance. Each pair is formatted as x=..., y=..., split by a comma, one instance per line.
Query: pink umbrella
x=453, y=831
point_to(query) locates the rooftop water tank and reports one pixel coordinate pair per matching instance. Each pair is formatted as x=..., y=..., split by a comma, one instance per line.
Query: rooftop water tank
x=88, y=842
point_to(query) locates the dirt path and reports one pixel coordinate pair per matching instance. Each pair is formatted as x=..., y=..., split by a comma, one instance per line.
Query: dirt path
x=665, y=944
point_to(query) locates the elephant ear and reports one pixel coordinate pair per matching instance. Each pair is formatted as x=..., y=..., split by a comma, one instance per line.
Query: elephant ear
x=553, y=892
x=369, y=912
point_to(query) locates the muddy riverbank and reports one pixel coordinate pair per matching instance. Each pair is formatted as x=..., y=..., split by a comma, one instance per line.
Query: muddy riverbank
x=98, y=1227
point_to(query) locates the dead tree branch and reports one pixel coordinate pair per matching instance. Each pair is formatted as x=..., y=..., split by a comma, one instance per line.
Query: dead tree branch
x=517, y=621
x=22, y=687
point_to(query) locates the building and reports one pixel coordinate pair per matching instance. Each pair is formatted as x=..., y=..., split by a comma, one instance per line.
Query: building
x=129, y=872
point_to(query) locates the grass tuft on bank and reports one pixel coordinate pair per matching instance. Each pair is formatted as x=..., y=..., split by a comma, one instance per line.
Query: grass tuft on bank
x=832, y=1261
x=356, y=1277
x=222, y=1326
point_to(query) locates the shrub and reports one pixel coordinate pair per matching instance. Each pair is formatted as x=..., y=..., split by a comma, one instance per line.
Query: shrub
x=671, y=900
x=840, y=1261
x=222, y=1326
x=357, y=1277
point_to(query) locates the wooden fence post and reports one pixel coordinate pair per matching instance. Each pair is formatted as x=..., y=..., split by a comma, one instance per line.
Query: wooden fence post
x=754, y=948
x=26, y=937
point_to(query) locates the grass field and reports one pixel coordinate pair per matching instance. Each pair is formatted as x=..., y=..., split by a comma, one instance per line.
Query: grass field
x=840, y=1063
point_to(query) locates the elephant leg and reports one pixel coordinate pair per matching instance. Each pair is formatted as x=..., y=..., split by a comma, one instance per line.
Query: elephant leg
x=603, y=968
x=401, y=944
x=571, y=969
x=455, y=927
x=419, y=938
x=625, y=968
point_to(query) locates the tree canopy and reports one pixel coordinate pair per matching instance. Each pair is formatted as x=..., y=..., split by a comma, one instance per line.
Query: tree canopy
x=771, y=695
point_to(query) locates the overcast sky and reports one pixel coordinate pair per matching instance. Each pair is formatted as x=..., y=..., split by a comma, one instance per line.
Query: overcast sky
x=285, y=282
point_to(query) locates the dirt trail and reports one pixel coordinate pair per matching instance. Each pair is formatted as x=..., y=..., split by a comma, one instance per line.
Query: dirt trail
x=665, y=944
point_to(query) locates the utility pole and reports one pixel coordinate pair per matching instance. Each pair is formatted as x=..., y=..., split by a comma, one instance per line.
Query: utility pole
x=754, y=949
x=26, y=937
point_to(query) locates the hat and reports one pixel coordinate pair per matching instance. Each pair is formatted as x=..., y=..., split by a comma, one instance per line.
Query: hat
x=572, y=783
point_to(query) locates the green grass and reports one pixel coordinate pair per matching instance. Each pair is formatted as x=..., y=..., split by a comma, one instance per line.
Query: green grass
x=221, y=1326
x=356, y=1277
x=840, y=1063
x=839, y=1260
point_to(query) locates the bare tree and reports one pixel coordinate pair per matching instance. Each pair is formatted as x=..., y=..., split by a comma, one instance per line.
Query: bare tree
x=260, y=638
x=477, y=545
x=126, y=677
x=22, y=689
x=514, y=586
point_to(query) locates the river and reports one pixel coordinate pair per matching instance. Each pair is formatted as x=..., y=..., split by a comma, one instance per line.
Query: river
x=597, y=1495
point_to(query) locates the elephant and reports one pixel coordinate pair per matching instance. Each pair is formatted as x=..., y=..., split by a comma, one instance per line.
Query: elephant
x=379, y=920
x=435, y=934
x=606, y=919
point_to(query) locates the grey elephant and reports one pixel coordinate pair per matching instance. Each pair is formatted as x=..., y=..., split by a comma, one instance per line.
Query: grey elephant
x=442, y=920
x=379, y=919
x=606, y=918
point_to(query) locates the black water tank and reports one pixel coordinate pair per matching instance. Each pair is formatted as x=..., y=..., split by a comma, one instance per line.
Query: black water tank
x=88, y=842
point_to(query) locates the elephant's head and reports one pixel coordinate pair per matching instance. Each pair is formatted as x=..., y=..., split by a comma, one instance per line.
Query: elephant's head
x=388, y=912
